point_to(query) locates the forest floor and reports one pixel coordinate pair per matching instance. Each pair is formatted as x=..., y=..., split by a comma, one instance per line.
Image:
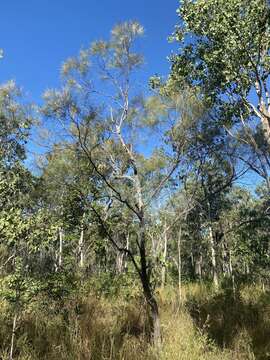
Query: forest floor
x=204, y=325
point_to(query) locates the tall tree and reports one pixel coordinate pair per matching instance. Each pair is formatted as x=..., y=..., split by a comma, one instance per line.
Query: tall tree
x=225, y=53
x=103, y=112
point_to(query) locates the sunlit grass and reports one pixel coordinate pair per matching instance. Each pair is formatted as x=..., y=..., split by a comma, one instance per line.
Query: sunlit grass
x=97, y=328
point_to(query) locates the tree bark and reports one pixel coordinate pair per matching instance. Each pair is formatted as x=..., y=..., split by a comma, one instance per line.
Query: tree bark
x=154, y=318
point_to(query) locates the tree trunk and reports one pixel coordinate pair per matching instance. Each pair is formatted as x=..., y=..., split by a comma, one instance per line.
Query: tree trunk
x=199, y=266
x=13, y=337
x=119, y=262
x=154, y=318
x=61, y=235
x=179, y=264
x=213, y=257
x=163, y=270
x=155, y=324
x=127, y=247
x=230, y=263
x=192, y=265
x=81, y=254
x=231, y=272
x=266, y=128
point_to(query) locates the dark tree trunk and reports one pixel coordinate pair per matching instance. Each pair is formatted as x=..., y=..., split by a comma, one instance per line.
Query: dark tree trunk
x=154, y=318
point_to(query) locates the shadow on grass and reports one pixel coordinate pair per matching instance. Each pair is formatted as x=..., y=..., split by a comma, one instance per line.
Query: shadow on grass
x=224, y=316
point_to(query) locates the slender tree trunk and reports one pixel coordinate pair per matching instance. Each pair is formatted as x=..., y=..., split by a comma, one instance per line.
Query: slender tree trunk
x=179, y=240
x=127, y=247
x=263, y=285
x=119, y=262
x=61, y=236
x=224, y=261
x=81, y=253
x=81, y=243
x=199, y=264
x=163, y=270
x=106, y=258
x=230, y=263
x=247, y=269
x=213, y=257
x=231, y=272
x=192, y=265
x=13, y=337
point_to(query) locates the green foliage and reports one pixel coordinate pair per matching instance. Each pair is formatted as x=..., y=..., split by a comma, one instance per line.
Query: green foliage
x=15, y=122
x=224, y=52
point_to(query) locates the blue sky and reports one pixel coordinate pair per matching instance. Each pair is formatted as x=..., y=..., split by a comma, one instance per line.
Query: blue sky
x=38, y=35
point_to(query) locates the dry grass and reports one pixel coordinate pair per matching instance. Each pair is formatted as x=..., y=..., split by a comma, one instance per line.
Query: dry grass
x=96, y=328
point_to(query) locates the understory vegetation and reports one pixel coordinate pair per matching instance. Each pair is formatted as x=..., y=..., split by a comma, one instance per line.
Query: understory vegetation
x=205, y=324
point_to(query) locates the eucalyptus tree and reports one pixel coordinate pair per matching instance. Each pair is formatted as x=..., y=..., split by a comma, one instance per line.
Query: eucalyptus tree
x=120, y=133
x=224, y=54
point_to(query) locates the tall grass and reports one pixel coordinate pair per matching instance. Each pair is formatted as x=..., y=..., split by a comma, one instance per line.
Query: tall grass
x=206, y=325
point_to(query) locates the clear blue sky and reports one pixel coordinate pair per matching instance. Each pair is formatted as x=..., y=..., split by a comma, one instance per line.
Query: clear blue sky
x=38, y=35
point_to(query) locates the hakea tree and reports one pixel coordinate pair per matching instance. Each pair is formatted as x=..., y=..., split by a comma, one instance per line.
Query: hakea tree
x=120, y=134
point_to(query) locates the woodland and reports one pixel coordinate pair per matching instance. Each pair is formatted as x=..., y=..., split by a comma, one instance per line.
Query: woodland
x=143, y=232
